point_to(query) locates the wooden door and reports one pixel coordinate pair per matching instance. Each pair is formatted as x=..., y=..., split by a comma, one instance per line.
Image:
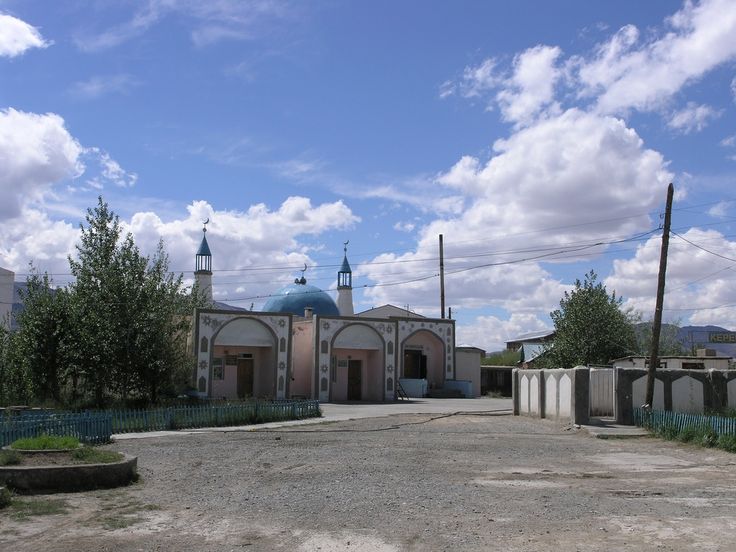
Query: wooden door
x=354, y=380
x=245, y=377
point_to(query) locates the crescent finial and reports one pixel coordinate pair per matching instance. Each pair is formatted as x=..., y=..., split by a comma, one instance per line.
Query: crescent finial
x=205, y=223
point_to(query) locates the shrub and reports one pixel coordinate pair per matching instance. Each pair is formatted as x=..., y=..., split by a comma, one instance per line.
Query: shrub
x=727, y=442
x=89, y=455
x=4, y=497
x=9, y=458
x=46, y=442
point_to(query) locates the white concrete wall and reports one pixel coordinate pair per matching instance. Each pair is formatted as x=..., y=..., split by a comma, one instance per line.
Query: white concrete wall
x=565, y=390
x=601, y=392
x=534, y=394
x=639, y=392
x=523, y=394
x=467, y=366
x=732, y=393
x=687, y=395
x=550, y=394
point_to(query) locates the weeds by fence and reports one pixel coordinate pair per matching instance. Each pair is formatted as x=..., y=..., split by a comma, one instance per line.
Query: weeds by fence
x=708, y=431
x=97, y=427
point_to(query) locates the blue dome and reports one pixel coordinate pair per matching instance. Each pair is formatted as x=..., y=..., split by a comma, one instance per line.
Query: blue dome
x=296, y=297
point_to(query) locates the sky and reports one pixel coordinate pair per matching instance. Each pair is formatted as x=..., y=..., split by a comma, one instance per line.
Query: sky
x=537, y=137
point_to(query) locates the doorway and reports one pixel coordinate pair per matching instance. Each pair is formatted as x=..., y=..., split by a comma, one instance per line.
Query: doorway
x=245, y=378
x=415, y=364
x=355, y=381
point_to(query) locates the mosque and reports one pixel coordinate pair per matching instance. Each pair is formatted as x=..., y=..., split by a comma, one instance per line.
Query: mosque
x=305, y=345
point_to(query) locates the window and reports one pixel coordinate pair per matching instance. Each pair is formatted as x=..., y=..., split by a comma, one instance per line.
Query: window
x=203, y=345
x=218, y=372
x=324, y=347
x=282, y=344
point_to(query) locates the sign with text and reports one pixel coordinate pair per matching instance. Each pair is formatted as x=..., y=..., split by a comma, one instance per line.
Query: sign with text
x=722, y=337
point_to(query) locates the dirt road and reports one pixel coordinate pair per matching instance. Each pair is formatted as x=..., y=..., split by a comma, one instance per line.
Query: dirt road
x=409, y=482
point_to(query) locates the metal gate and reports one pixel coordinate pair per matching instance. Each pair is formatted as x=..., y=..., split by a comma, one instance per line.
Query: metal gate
x=601, y=392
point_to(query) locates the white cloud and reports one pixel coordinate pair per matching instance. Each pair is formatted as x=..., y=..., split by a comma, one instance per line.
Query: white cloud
x=696, y=279
x=729, y=141
x=733, y=88
x=491, y=333
x=531, y=88
x=625, y=74
x=17, y=36
x=98, y=86
x=576, y=177
x=36, y=151
x=402, y=226
x=693, y=117
x=720, y=209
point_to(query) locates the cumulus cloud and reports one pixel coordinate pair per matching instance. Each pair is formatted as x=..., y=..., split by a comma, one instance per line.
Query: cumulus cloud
x=625, y=73
x=693, y=117
x=254, y=238
x=36, y=151
x=491, y=333
x=543, y=189
x=697, y=281
x=17, y=36
x=531, y=87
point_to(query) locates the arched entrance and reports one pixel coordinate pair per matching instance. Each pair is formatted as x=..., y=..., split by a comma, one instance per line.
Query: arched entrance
x=358, y=366
x=423, y=358
x=243, y=359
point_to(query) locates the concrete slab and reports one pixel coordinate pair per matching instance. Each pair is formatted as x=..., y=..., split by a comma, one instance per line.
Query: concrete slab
x=335, y=412
x=601, y=428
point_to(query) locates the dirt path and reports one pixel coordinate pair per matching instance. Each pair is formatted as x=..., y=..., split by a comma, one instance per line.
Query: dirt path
x=412, y=482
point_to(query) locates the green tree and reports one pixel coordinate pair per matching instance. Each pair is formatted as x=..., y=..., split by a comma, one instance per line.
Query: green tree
x=130, y=315
x=501, y=358
x=590, y=327
x=15, y=386
x=40, y=344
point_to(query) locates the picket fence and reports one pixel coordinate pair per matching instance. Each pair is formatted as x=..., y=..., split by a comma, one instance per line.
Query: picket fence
x=657, y=420
x=96, y=427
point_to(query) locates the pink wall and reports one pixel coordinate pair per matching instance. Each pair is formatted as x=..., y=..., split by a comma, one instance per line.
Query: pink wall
x=263, y=372
x=302, y=359
x=432, y=347
x=371, y=375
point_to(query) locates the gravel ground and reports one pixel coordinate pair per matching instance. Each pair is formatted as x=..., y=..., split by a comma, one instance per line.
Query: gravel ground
x=410, y=482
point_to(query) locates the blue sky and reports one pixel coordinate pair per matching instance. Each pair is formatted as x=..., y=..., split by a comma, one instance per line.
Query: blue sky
x=537, y=137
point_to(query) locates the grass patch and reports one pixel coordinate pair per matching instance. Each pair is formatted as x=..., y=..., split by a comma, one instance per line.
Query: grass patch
x=10, y=458
x=701, y=435
x=22, y=509
x=90, y=455
x=46, y=442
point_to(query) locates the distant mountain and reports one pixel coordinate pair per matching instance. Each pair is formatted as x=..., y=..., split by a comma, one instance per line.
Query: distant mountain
x=689, y=337
x=698, y=336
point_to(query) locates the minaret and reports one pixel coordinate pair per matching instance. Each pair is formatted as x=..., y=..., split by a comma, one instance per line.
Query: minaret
x=203, y=262
x=345, y=286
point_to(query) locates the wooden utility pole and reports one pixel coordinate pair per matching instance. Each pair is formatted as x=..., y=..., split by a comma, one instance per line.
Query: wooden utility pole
x=442, y=276
x=657, y=326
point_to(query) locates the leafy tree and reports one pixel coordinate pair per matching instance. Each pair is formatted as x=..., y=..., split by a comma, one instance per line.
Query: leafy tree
x=590, y=327
x=15, y=386
x=128, y=312
x=40, y=345
x=118, y=332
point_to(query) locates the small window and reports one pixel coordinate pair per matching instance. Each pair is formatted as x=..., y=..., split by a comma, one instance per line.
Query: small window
x=218, y=373
x=203, y=345
x=202, y=386
x=282, y=344
x=323, y=384
x=390, y=348
x=281, y=383
x=323, y=347
x=390, y=384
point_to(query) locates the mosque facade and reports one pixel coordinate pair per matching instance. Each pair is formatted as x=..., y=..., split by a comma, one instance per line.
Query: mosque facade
x=305, y=345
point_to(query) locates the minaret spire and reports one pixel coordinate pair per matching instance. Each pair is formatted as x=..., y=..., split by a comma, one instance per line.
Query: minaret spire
x=203, y=265
x=345, y=285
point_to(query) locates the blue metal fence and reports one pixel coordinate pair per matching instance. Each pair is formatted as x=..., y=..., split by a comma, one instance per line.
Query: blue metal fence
x=89, y=427
x=98, y=427
x=657, y=420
